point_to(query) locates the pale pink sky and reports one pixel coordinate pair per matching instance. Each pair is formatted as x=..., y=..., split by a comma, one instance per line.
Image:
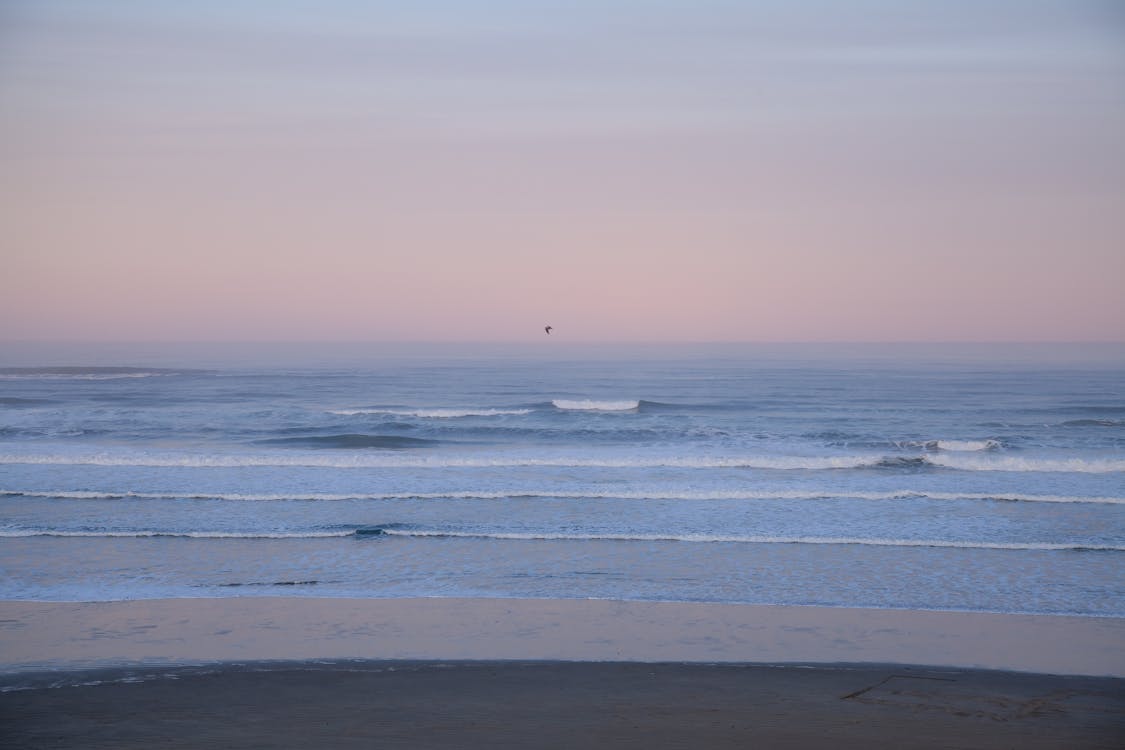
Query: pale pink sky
x=690, y=171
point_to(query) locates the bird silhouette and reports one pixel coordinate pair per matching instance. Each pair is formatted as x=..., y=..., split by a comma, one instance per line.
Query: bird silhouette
x=548, y=330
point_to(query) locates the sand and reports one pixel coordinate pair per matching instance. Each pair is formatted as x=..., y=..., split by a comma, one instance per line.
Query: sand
x=565, y=705
x=36, y=635
x=304, y=672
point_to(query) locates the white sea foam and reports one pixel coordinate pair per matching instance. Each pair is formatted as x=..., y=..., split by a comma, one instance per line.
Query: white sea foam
x=559, y=536
x=967, y=445
x=433, y=413
x=1024, y=498
x=382, y=460
x=1024, y=464
x=687, y=495
x=589, y=405
x=148, y=533
x=734, y=539
x=439, y=461
x=956, y=446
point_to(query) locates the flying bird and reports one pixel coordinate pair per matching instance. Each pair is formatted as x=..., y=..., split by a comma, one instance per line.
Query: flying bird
x=548, y=330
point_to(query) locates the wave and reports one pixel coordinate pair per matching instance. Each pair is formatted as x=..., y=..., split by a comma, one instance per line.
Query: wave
x=901, y=462
x=1015, y=497
x=17, y=401
x=269, y=583
x=28, y=432
x=433, y=413
x=660, y=406
x=735, y=539
x=1096, y=408
x=350, y=441
x=152, y=533
x=688, y=495
x=590, y=405
x=957, y=446
x=393, y=530
x=1020, y=464
x=441, y=462
x=961, y=462
x=87, y=373
x=1094, y=423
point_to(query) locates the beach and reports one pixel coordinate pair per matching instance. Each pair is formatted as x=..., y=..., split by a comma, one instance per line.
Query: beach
x=722, y=547
x=566, y=704
x=53, y=635
x=296, y=672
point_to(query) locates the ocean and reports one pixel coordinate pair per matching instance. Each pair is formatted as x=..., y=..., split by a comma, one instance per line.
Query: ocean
x=975, y=478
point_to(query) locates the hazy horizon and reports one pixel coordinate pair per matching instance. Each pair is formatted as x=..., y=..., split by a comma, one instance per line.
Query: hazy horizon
x=642, y=172
x=16, y=356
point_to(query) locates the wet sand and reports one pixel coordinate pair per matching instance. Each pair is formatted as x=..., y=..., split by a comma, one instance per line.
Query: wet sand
x=469, y=673
x=560, y=705
x=61, y=635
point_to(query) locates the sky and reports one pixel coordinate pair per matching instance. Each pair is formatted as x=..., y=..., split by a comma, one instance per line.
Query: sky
x=669, y=170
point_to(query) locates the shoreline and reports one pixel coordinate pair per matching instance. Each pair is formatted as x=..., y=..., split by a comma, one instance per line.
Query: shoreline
x=70, y=636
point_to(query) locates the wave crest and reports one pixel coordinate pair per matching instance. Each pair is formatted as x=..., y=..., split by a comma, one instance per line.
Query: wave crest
x=432, y=413
x=734, y=539
x=957, y=461
x=88, y=373
x=591, y=405
x=966, y=445
x=152, y=533
x=687, y=495
x=955, y=446
x=1021, y=464
x=396, y=530
x=438, y=462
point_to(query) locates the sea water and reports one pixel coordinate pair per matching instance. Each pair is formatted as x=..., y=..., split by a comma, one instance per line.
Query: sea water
x=984, y=478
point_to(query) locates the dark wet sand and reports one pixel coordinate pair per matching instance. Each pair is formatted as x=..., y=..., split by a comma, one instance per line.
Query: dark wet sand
x=381, y=704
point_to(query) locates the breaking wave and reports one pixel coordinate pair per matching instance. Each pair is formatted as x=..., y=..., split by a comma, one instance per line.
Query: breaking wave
x=433, y=413
x=735, y=539
x=688, y=495
x=314, y=459
x=417, y=461
x=269, y=583
x=147, y=533
x=1020, y=464
x=393, y=530
x=957, y=446
x=590, y=405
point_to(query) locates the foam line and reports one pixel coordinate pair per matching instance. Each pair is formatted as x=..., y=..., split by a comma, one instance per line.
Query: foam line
x=687, y=495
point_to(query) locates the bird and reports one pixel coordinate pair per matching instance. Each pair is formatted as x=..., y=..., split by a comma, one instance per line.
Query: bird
x=548, y=330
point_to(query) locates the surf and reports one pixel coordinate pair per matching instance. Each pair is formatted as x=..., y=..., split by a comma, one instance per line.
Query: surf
x=592, y=405
x=432, y=413
x=686, y=495
x=1027, y=464
x=956, y=446
x=363, y=460
x=739, y=539
x=154, y=533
